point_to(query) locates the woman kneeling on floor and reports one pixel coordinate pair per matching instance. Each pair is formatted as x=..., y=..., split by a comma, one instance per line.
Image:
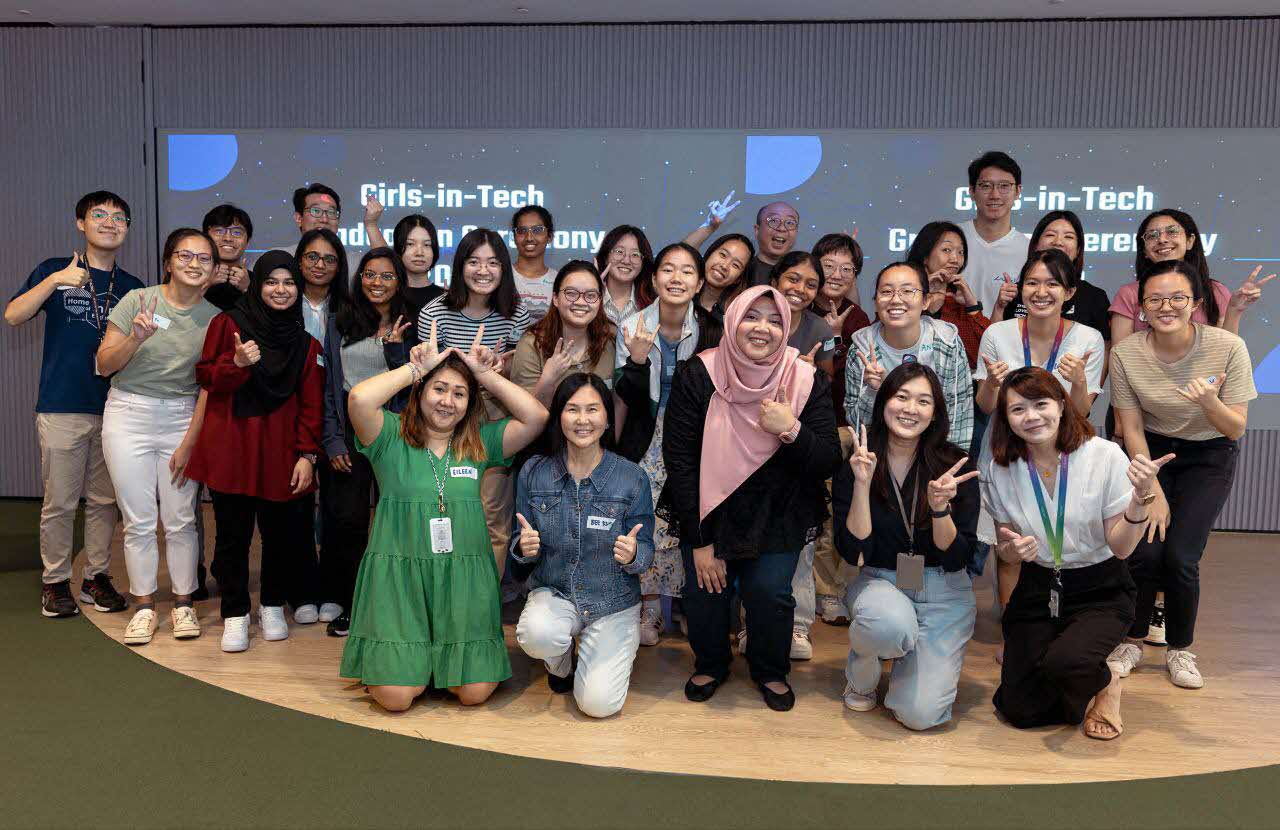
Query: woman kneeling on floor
x=1074, y=599
x=585, y=529
x=913, y=518
x=426, y=607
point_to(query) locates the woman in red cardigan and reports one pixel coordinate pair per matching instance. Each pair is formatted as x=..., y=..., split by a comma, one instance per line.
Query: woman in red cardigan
x=264, y=377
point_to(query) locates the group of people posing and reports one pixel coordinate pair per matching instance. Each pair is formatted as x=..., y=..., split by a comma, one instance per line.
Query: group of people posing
x=716, y=436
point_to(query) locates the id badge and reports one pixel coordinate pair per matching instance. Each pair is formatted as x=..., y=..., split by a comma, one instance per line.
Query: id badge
x=910, y=572
x=1055, y=595
x=442, y=535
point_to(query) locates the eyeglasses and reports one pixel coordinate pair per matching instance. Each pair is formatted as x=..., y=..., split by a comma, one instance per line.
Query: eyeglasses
x=573, y=295
x=1003, y=188
x=235, y=232
x=102, y=218
x=780, y=224
x=623, y=253
x=1170, y=232
x=1177, y=302
x=185, y=257
x=843, y=270
x=378, y=276
x=312, y=258
x=908, y=293
x=322, y=213
x=532, y=230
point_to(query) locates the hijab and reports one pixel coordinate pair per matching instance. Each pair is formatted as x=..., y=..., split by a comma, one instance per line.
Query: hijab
x=733, y=444
x=281, y=337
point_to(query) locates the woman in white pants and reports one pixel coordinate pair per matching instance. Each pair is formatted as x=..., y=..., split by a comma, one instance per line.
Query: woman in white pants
x=153, y=415
x=585, y=530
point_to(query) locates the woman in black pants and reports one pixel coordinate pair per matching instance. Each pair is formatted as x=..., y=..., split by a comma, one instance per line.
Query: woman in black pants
x=370, y=335
x=1179, y=387
x=750, y=440
x=1069, y=506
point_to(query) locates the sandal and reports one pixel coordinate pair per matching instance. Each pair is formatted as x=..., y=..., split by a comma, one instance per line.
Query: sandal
x=1094, y=719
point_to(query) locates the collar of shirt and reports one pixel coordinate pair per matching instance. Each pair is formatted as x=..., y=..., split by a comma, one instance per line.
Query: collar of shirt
x=598, y=478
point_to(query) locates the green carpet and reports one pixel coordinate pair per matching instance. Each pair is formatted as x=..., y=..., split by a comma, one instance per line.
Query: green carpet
x=94, y=735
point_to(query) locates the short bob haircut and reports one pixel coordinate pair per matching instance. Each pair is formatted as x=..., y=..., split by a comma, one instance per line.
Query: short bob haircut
x=467, y=444
x=1056, y=263
x=544, y=216
x=176, y=238
x=790, y=260
x=929, y=237
x=998, y=160
x=1073, y=220
x=400, y=236
x=102, y=197
x=642, y=286
x=504, y=299
x=1194, y=257
x=300, y=196
x=835, y=243
x=226, y=215
x=915, y=267
x=1034, y=383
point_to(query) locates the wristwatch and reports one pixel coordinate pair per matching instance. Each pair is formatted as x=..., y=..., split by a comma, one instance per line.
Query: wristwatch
x=1147, y=498
x=310, y=456
x=938, y=514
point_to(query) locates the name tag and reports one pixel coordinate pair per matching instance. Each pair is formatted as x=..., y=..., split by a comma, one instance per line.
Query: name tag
x=441, y=535
x=463, y=472
x=830, y=345
x=599, y=523
x=320, y=360
x=161, y=321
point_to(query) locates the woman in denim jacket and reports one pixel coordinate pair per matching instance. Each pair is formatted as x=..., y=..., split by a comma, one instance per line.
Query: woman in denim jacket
x=585, y=530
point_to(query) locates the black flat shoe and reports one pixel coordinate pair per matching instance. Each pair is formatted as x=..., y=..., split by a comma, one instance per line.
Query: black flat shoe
x=340, y=626
x=778, y=702
x=563, y=685
x=703, y=693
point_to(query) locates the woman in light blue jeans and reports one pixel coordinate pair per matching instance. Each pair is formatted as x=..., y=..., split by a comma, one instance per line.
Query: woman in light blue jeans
x=911, y=512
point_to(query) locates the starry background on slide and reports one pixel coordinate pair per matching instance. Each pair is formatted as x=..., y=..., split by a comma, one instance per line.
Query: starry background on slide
x=885, y=183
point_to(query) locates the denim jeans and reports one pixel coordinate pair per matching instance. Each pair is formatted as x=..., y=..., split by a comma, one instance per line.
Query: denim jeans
x=924, y=632
x=606, y=648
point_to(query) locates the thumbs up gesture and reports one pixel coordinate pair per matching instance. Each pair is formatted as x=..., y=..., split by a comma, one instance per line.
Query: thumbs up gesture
x=1017, y=548
x=624, y=547
x=530, y=542
x=247, y=354
x=776, y=417
x=75, y=275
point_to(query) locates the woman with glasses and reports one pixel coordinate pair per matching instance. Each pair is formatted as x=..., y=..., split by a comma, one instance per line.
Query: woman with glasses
x=1183, y=388
x=370, y=336
x=727, y=259
x=326, y=291
x=533, y=228
x=625, y=262
x=152, y=419
x=901, y=334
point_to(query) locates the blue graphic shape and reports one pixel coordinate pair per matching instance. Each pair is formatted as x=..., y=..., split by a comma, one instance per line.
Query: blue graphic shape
x=1266, y=377
x=200, y=161
x=778, y=163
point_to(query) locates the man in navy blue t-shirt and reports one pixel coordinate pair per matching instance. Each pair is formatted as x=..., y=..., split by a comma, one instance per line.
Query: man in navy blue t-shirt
x=76, y=294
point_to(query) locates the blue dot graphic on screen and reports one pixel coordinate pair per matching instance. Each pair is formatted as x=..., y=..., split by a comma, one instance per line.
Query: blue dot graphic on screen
x=200, y=161
x=1266, y=377
x=778, y=163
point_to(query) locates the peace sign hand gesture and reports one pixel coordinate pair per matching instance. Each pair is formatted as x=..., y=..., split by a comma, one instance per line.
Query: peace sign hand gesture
x=1203, y=390
x=1020, y=548
x=811, y=355
x=639, y=343
x=144, y=322
x=872, y=372
x=397, y=330
x=776, y=417
x=426, y=355
x=1072, y=368
x=624, y=547
x=836, y=321
x=563, y=358
x=530, y=542
x=247, y=352
x=718, y=209
x=943, y=488
x=863, y=460
x=1248, y=294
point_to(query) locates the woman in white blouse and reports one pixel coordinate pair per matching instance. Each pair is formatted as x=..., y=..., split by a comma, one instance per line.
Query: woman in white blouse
x=1068, y=506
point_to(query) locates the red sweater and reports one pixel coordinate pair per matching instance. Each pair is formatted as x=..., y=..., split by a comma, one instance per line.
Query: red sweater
x=971, y=326
x=253, y=456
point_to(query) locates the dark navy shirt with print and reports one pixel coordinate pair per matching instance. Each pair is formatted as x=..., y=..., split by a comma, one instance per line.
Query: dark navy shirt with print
x=71, y=336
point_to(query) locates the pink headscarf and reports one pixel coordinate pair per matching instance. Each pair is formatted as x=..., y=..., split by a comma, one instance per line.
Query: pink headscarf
x=733, y=444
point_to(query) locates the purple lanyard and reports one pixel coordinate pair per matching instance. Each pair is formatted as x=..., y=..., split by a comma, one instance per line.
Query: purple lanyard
x=1026, y=344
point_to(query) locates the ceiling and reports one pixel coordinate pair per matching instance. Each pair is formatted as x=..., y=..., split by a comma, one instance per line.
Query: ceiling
x=321, y=12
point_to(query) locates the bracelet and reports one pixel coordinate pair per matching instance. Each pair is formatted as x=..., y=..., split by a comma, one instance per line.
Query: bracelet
x=414, y=373
x=1133, y=521
x=939, y=514
x=790, y=435
x=973, y=309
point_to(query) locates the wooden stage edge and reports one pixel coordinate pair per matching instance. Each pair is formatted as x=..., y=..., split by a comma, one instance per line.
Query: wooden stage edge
x=1232, y=723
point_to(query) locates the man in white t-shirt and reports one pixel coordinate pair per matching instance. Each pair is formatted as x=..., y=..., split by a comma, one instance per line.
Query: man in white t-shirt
x=532, y=229
x=996, y=250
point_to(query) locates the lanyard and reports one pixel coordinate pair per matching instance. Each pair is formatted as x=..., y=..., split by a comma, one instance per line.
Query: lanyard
x=98, y=314
x=907, y=519
x=1055, y=537
x=1026, y=344
x=440, y=482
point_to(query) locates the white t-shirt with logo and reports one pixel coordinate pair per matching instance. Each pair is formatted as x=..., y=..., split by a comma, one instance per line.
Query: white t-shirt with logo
x=990, y=261
x=535, y=293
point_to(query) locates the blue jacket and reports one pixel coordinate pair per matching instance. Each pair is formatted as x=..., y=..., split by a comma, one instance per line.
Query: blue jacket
x=578, y=524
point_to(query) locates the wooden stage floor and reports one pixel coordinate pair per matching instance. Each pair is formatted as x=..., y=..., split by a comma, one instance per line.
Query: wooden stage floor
x=1232, y=723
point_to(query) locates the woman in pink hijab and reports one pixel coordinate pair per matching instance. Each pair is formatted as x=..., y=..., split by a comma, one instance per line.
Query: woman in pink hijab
x=750, y=441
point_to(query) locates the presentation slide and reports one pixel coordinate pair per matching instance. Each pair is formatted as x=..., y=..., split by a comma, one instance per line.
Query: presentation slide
x=884, y=184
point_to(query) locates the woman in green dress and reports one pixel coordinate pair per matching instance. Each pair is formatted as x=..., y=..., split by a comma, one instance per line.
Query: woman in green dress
x=426, y=608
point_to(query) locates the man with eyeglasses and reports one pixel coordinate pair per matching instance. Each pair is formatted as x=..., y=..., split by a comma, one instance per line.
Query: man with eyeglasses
x=777, y=224
x=996, y=250
x=532, y=229
x=76, y=295
x=231, y=230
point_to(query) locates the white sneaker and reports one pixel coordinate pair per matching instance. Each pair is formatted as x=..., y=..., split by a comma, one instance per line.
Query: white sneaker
x=306, y=614
x=235, y=634
x=1182, y=669
x=801, y=648
x=858, y=702
x=832, y=611
x=1124, y=658
x=271, y=618
x=742, y=641
x=1155, y=630
x=141, y=628
x=329, y=611
x=185, y=623
x=650, y=625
